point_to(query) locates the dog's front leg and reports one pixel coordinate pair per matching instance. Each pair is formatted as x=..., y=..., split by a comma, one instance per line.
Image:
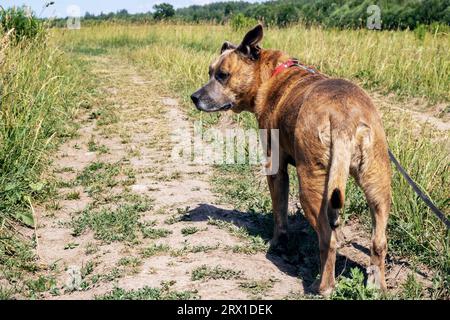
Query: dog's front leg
x=279, y=191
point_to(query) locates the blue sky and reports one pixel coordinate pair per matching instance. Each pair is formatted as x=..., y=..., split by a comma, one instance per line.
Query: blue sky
x=97, y=6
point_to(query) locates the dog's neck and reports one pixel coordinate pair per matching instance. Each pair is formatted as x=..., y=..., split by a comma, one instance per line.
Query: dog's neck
x=270, y=60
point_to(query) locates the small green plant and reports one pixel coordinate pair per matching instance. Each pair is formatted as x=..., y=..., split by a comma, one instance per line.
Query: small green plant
x=71, y=246
x=98, y=176
x=132, y=262
x=154, y=233
x=41, y=284
x=257, y=288
x=109, y=225
x=87, y=269
x=412, y=289
x=91, y=248
x=420, y=31
x=95, y=147
x=254, y=244
x=154, y=249
x=173, y=219
x=353, y=288
x=6, y=293
x=148, y=293
x=21, y=22
x=207, y=273
x=73, y=195
x=189, y=231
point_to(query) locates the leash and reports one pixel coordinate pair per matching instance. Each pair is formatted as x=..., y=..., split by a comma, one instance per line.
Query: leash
x=441, y=216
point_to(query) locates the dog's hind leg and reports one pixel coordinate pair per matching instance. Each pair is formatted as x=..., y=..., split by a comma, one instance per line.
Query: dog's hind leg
x=279, y=191
x=313, y=200
x=375, y=180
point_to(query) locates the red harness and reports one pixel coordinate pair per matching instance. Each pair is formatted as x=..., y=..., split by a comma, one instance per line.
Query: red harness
x=288, y=64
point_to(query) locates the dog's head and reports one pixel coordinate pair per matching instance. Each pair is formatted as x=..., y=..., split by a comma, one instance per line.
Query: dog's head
x=232, y=76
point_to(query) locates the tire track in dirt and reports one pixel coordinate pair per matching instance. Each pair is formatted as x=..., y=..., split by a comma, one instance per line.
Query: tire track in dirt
x=131, y=128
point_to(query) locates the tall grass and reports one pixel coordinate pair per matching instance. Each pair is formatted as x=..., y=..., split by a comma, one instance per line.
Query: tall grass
x=394, y=61
x=40, y=90
x=388, y=61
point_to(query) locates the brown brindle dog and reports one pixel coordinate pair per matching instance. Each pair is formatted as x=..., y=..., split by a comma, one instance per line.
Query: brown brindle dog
x=328, y=129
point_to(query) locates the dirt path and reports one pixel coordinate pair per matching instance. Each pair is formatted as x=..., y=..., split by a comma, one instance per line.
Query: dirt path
x=127, y=216
x=416, y=108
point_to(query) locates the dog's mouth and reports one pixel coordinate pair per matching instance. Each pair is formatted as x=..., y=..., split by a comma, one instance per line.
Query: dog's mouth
x=225, y=107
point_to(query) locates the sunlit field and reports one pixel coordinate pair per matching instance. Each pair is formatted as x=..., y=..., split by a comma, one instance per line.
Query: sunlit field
x=391, y=61
x=386, y=62
x=44, y=86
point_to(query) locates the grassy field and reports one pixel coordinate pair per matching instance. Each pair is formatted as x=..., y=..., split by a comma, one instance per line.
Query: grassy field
x=41, y=90
x=395, y=63
x=387, y=62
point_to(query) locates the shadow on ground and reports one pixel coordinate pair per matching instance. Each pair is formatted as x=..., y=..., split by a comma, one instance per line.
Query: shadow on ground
x=302, y=258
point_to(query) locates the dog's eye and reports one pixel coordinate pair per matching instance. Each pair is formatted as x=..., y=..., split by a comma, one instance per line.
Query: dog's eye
x=221, y=76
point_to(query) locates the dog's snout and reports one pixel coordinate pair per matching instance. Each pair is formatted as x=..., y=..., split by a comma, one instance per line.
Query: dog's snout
x=195, y=97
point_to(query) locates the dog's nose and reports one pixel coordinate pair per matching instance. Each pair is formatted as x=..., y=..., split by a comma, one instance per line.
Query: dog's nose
x=195, y=98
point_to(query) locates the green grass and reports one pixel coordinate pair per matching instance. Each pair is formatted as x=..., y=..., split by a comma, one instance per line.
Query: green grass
x=189, y=231
x=353, y=288
x=154, y=249
x=205, y=273
x=193, y=249
x=105, y=117
x=95, y=147
x=91, y=248
x=148, y=293
x=257, y=289
x=253, y=243
x=130, y=261
x=40, y=285
x=98, y=176
x=71, y=246
x=377, y=59
x=41, y=89
x=154, y=233
x=73, y=195
x=110, y=225
x=244, y=194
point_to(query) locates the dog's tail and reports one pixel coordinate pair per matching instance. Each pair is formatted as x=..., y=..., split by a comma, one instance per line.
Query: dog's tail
x=338, y=175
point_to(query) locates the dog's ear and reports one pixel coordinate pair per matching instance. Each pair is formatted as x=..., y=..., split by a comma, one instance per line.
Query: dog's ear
x=227, y=46
x=250, y=45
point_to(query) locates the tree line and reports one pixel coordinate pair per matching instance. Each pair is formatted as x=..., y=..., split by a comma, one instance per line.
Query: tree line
x=394, y=14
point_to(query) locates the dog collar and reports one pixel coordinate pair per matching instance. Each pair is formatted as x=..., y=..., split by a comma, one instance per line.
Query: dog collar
x=288, y=64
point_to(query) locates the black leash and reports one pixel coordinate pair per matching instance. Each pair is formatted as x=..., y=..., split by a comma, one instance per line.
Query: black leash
x=419, y=192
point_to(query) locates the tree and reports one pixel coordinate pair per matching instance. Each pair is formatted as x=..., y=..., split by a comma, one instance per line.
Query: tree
x=163, y=11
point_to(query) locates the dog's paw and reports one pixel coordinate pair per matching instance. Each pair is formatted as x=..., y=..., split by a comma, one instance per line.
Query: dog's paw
x=324, y=291
x=279, y=244
x=374, y=278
